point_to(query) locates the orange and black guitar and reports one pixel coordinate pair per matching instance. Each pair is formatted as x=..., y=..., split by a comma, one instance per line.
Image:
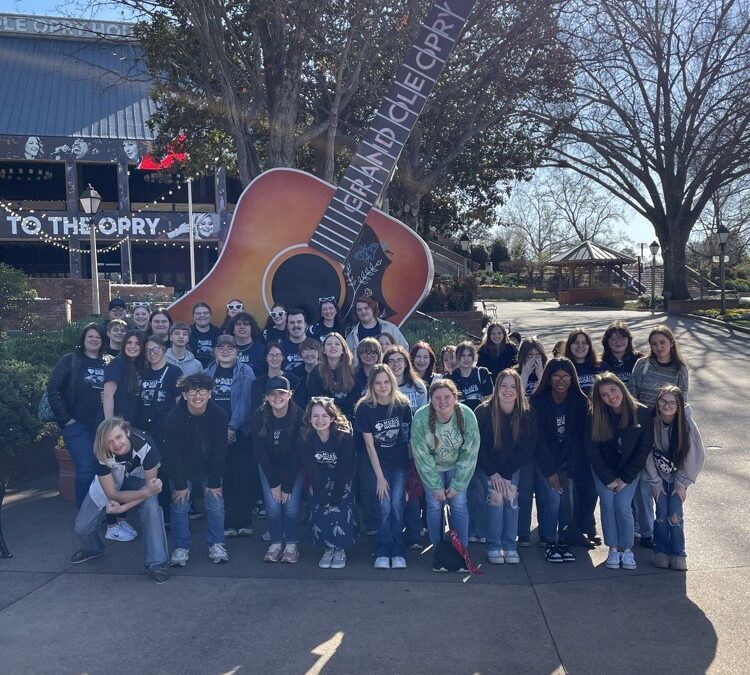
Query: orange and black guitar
x=294, y=239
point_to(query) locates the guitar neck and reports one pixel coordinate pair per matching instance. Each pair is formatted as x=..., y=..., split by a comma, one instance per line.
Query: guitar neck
x=384, y=140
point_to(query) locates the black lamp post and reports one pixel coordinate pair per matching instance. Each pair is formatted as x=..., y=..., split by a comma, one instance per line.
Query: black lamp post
x=465, y=245
x=723, y=234
x=90, y=200
x=654, y=248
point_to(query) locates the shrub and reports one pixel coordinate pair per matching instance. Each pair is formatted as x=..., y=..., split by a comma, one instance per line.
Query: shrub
x=23, y=386
x=644, y=301
x=436, y=333
x=16, y=298
x=452, y=294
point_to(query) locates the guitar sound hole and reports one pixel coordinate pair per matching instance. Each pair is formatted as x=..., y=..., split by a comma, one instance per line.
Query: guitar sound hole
x=300, y=281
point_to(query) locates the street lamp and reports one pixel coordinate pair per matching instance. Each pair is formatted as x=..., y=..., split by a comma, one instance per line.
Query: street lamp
x=90, y=200
x=654, y=248
x=723, y=233
x=465, y=244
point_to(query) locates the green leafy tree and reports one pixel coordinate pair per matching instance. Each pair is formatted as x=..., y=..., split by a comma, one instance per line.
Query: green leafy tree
x=16, y=299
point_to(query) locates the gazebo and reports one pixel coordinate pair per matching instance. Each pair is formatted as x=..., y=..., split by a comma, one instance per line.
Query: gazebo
x=581, y=261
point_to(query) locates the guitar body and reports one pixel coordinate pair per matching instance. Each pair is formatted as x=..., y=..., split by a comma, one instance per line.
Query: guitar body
x=266, y=258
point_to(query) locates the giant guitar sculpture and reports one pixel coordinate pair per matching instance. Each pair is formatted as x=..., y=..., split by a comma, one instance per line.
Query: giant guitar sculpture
x=295, y=239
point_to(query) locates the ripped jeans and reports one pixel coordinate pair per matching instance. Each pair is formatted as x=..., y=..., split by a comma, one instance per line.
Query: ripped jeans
x=669, y=526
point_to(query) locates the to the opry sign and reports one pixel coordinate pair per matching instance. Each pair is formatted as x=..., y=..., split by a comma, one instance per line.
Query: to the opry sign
x=63, y=27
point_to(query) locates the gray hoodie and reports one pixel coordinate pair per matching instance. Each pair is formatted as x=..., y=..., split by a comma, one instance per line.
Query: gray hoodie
x=189, y=365
x=691, y=467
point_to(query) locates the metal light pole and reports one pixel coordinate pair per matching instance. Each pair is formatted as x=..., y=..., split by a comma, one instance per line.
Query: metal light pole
x=640, y=268
x=654, y=248
x=465, y=245
x=90, y=200
x=723, y=233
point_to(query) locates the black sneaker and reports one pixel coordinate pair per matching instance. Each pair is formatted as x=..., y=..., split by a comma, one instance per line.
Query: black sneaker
x=524, y=540
x=82, y=556
x=566, y=553
x=552, y=554
x=160, y=575
x=647, y=542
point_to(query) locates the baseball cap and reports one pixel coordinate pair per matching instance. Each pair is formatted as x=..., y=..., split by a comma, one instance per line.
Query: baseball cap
x=277, y=383
x=116, y=302
x=226, y=340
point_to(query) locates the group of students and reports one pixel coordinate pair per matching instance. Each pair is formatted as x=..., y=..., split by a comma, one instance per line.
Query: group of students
x=352, y=431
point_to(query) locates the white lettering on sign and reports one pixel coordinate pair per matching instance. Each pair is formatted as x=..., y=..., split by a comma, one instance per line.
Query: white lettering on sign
x=57, y=27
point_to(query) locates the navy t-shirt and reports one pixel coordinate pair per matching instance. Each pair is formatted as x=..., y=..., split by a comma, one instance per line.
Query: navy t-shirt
x=390, y=433
x=158, y=395
x=319, y=331
x=474, y=387
x=202, y=344
x=292, y=357
x=273, y=334
x=253, y=355
x=88, y=391
x=222, y=392
x=127, y=404
x=363, y=332
x=586, y=376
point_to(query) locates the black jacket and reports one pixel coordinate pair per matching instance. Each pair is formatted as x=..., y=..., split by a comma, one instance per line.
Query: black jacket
x=344, y=400
x=512, y=456
x=610, y=459
x=548, y=453
x=343, y=445
x=507, y=358
x=194, y=447
x=280, y=463
x=61, y=385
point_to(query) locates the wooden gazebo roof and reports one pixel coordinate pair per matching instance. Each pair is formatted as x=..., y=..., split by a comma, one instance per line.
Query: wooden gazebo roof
x=588, y=253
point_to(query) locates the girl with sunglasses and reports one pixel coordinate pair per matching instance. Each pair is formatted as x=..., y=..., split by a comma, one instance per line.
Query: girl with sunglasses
x=328, y=320
x=234, y=307
x=275, y=328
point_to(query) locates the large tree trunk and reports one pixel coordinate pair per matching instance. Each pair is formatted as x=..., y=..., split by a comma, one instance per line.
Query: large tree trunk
x=673, y=252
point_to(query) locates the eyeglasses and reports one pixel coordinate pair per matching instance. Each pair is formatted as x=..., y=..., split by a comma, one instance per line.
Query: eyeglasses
x=202, y=315
x=364, y=352
x=235, y=305
x=561, y=378
x=667, y=404
x=278, y=315
x=153, y=350
x=198, y=392
x=330, y=298
x=225, y=348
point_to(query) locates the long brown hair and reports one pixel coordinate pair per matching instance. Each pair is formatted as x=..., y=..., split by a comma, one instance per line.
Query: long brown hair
x=339, y=423
x=591, y=358
x=679, y=424
x=520, y=408
x=621, y=328
x=432, y=421
x=601, y=429
x=674, y=351
x=411, y=376
x=342, y=378
x=487, y=345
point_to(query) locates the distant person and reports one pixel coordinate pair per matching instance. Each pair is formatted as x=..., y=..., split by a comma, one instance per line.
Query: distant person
x=275, y=328
x=234, y=307
x=496, y=352
x=618, y=354
x=250, y=343
x=203, y=334
x=116, y=329
x=141, y=314
x=117, y=309
x=369, y=325
x=178, y=354
x=328, y=320
x=296, y=324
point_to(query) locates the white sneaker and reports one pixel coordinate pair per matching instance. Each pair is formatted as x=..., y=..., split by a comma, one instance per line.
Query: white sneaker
x=511, y=557
x=117, y=533
x=325, y=561
x=339, y=559
x=613, y=559
x=266, y=536
x=398, y=563
x=127, y=527
x=628, y=560
x=179, y=558
x=495, y=557
x=382, y=563
x=218, y=553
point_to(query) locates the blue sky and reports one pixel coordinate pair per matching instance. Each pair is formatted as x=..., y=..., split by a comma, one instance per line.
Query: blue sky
x=638, y=230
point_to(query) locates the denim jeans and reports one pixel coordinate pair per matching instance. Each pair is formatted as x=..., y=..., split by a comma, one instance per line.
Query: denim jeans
x=389, y=541
x=79, y=441
x=585, y=497
x=282, y=519
x=669, y=536
x=476, y=499
x=214, y=518
x=90, y=518
x=459, y=512
x=558, y=511
x=643, y=502
x=617, y=514
x=502, y=521
x=530, y=484
x=367, y=500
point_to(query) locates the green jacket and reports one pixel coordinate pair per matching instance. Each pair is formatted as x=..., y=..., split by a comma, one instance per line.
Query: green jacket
x=452, y=452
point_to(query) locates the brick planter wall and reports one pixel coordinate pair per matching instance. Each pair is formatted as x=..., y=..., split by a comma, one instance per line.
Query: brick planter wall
x=76, y=290
x=689, y=306
x=469, y=321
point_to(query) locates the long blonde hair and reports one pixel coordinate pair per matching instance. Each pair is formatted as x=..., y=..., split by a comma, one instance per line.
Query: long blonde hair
x=601, y=429
x=342, y=378
x=101, y=441
x=517, y=416
x=432, y=421
x=396, y=396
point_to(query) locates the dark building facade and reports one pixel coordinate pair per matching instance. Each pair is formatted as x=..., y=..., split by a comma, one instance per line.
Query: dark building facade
x=75, y=113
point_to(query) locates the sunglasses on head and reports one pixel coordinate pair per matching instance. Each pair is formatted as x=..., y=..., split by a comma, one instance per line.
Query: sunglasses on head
x=278, y=315
x=330, y=298
x=145, y=305
x=321, y=399
x=235, y=305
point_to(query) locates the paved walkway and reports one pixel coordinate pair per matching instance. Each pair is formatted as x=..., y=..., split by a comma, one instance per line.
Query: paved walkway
x=246, y=617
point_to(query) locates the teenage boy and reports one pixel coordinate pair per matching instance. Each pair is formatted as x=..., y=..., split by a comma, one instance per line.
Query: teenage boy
x=203, y=334
x=116, y=329
x=195, y=448
x=309, y=350
x=178, y=354
x=117, y=309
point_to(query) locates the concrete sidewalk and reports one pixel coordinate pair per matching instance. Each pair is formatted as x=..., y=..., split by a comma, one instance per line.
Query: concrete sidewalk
x=106, y=616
